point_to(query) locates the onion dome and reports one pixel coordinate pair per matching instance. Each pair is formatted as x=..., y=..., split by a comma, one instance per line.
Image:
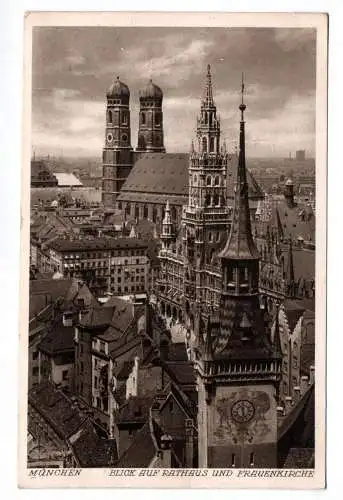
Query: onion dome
x=151, y=91
x=118, y=89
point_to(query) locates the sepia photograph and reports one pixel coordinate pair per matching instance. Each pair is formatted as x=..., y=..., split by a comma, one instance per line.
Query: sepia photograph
x=170, y=325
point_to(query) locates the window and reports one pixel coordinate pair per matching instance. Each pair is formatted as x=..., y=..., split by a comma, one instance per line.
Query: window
x=124, y=118
x=110, y=117
x=95, y=382
x=204, y=145
x=211, y=144
x=252, y=459
x=65, y=375
x=233, y=460
x=35, y=355
x=81, y=367
x=35, y=371
x=143, y=118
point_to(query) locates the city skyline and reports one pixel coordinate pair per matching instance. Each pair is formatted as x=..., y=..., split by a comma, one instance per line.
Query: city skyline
x=68, y=90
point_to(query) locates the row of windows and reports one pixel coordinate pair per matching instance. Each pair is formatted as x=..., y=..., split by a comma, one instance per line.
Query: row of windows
x=115, y=115
x=104, y=254
x=133, y=278
x=129, y=289
x=157, y=121
x=210, y=180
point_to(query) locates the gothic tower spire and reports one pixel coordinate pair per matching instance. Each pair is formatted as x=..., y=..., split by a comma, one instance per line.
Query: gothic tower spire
x=240, y=244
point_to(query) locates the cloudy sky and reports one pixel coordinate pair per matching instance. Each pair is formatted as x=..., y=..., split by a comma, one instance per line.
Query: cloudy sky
x=72, y=67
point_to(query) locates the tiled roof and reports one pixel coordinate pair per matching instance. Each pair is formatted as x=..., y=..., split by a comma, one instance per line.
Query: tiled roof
x=177, y=352
x=159, y=173
x=299, y=458
x=59, y=339
x=292, y=222
x=92, y=450
x=183, y=372
x=141, y=452
x=135, y=410
x=56, y=408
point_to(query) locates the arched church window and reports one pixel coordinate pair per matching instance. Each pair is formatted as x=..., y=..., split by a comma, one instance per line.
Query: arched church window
x=211, y=144
x=154, y=214
x=158, y=119
x=208, y=200
x=216, y=180
x=195, y=179
x=208, y=180
x=128, y=208
x=110, y=116
x=204, y=145
x=136, y=211
x=124, y=118
x=210, y=120
x=143, y=118
x=206, y=118
x=216, y=199
x=145, y=212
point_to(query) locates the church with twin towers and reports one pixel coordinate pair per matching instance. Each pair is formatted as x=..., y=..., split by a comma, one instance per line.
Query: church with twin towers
x=140, y=181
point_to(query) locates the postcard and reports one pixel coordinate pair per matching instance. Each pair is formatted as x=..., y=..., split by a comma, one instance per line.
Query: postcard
x=173, y=241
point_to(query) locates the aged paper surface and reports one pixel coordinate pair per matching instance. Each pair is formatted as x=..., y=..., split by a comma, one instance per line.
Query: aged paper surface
x=173, y=292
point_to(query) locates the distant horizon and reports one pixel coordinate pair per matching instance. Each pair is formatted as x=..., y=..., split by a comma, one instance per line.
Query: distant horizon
x=72, y=68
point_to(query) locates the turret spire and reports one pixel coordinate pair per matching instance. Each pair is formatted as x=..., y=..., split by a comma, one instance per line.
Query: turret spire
x=208, y=95
x=240, y=244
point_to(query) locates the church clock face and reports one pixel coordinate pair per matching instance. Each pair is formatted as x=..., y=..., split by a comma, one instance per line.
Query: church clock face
x=109, y=138
x=242, y=411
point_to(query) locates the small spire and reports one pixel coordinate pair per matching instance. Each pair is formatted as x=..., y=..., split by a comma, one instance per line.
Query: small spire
x=192, y=146
x=208, y=95
x=242, y=106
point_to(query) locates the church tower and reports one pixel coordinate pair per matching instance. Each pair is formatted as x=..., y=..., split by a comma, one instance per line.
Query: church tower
x=150, y=130
x=117, y=153
x=206, y=217
x=238, y=361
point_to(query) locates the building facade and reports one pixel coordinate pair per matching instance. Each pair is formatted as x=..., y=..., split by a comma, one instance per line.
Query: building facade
x=111, y=265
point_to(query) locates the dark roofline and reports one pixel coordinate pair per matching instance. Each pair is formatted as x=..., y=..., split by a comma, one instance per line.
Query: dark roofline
x=62, y=245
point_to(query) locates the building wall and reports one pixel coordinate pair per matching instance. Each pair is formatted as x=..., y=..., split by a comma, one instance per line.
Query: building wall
x=62, y=374
x=241, y=427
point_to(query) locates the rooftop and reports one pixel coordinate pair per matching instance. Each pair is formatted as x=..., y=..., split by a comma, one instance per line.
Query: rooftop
x=62, y=245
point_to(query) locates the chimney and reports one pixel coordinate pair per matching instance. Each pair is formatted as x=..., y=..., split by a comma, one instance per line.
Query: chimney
x=312, y=371
x=67, y=319
x=303, y=384
x=166, y=454
x=297, y=394
x=288, y=403
x=280, y=411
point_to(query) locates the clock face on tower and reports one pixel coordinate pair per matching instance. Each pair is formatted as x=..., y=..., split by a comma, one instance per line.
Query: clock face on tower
x=242, y=411
x=109, y=138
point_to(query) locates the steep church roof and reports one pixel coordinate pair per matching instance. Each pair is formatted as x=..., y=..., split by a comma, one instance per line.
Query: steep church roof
x=156, y=174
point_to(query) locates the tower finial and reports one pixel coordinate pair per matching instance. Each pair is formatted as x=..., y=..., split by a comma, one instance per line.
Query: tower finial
x=242, y=106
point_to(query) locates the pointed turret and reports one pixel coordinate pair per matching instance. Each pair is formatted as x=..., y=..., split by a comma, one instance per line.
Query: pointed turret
x=167, y=227
x=208, y=94
x=240, y=244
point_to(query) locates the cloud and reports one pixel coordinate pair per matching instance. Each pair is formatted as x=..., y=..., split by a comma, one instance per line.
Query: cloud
x=72, y=67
